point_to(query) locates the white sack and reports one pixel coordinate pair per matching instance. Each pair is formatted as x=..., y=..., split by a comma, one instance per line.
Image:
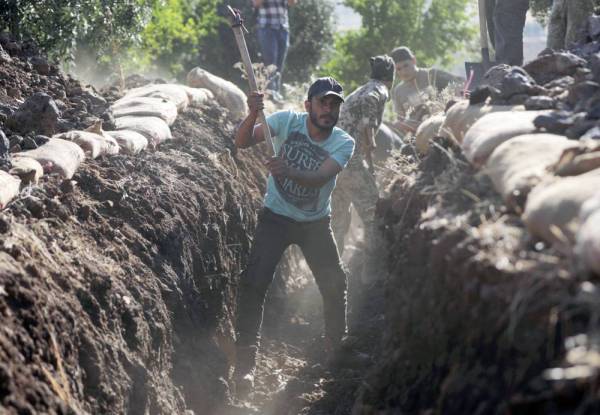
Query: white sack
x=461, y=116
x=27, y=169
x=173, y=92
x=520, y=163
x=588, y=242
x=199, y=96
x=552, y=209
x=9, y=188
x=131, y=142
x=153, y=128
x=57, y=156
x=146, y=107
x=93, y=144
x=427, y=131
x=493, y=129
x=226, y=93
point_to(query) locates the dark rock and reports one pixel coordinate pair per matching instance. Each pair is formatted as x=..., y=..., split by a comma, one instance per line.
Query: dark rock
x=480, y=94
x=562, y=82
x=15, y=140
x=13, y=92
x=579, y=129
x=40, y=140
x=554, y=65
x=581, y=92
x=108, y=120
x=62, y=125
x=595, y=65
x=558, y=122
x=41, y=65
x=29, y=143
x=540, y=103
x=518, y=99
x=38, y=113
x=517, y=82
x=495, y=76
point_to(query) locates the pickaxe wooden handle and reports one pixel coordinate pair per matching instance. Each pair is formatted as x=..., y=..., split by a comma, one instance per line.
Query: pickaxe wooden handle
x=237, y=24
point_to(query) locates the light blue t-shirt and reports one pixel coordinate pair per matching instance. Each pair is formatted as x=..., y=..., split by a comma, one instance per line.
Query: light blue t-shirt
x=292, y=142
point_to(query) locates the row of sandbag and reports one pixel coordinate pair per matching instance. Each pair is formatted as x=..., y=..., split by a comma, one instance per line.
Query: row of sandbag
x=551, y=181
x=142, y=117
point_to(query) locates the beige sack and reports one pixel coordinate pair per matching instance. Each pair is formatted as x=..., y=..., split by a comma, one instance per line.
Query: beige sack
x=146, y=107
x=154, y=129
x=173, y=92
x=199, y=96
x=57, y=156
x=27, y=169
x=519, y=164
x=552, y=209
x=461, y=116
x=131, y=142
x=427, y=131
x=93, y=144
x=588, y=242
x=226, y=93
x=9, y=188
x=493, y=129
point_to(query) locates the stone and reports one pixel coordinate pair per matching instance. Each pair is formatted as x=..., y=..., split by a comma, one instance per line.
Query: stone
x=540, y=102
x=38, y=113
x=558, y=122
x=4, y=149
x=581, y=92
x=551, y=66
x=4, y=56
x=40, y=65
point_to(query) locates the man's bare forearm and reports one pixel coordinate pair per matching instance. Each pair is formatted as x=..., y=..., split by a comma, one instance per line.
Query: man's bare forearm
x=244, y=136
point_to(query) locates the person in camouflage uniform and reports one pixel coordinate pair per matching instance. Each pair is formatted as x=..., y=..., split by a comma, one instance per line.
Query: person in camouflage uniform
x=361, y=116
x=567, y=21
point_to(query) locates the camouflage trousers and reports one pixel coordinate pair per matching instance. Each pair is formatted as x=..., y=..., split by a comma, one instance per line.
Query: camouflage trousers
x=356, y=187
x=567, y=20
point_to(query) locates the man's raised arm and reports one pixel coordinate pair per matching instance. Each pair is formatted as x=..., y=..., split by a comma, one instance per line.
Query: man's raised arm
x=249, y=133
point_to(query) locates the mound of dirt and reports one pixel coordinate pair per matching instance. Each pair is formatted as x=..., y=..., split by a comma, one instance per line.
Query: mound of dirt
x=476, y=311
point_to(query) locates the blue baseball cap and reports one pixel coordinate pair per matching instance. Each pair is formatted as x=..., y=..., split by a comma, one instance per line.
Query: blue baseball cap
x=323, y=87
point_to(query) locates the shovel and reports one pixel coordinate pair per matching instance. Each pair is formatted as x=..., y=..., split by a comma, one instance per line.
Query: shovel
x=237, y=24
x=476, y=70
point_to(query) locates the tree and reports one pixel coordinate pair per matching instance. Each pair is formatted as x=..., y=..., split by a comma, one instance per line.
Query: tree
x=433, y=29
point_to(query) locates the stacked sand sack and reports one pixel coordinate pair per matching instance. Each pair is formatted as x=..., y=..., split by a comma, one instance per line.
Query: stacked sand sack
x=143, y=117
x=539, y=145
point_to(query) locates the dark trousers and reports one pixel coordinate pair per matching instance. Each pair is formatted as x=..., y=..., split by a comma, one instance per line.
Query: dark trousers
x=509, y=22
x=274, y=46
x=274, y=233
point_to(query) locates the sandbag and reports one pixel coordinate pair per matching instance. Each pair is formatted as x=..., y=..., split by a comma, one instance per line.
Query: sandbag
x=588, y=243
x=461, y=116
x=226, y=93
x=93, y=144
x=57, y=156
x=493, y=129
x=580, y=159
x=154, y=129
x=520, y=163
x=131, y=142
x=9, y=188
x=552, y=208
x=146, y=107
x=173, y=92
x=427, y=131
x=27, y=169
x=199, y=96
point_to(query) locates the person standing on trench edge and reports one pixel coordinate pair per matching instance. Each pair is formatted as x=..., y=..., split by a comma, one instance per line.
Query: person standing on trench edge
x=310, y=152
x=273, y=37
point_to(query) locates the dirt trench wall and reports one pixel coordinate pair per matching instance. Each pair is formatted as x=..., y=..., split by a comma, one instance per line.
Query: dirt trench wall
x=475, y=313
x=117, y=293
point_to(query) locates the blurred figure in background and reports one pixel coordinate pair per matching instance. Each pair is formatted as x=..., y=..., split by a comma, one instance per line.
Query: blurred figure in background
x=417, y=86
x=273, y=37
x=567, y=21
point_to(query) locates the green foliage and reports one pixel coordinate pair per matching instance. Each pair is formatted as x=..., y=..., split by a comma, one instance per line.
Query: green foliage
x=177, y=30
x=61, y=26
x=434, y=30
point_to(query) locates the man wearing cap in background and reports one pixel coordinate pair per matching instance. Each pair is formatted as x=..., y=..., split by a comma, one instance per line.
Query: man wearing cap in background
x=310, y=152
x=273, y=37
x=361, y=117
x=417, y=86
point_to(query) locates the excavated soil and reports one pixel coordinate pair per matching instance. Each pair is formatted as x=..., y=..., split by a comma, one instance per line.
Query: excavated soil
x=476, y=311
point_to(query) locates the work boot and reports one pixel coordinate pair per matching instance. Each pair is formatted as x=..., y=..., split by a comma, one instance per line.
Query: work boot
x=243, y=375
